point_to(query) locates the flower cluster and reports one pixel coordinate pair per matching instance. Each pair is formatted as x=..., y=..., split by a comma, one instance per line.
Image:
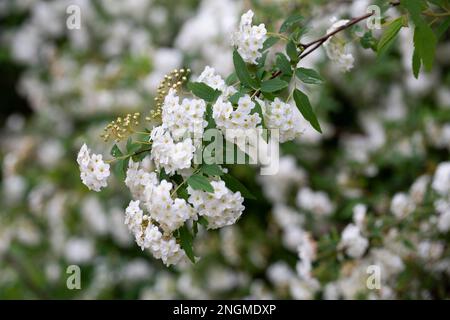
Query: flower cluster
x=249, y=39
x=336, y=48
x=94, y=171
x=148, y=236
x=221, y=208
x=286, y=118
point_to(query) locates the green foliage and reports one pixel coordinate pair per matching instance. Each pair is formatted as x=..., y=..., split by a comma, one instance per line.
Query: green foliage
x=273, y=85
x=242, y=72
x=200, y=182
x=235, y=185
x=389, y=35
x=186, y=239
x=308, y=76
x=303, y=104
x=203, y=91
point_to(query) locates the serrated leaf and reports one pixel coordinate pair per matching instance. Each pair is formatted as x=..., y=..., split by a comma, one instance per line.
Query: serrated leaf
x=186, y=241
x=199, y=182
x=389, y=35
x=212, y=170
x=290, y=21
x=235, y=185
x=203, y=91
x=304, y=106
x=273, y=85
x=308, y=76
x=242, y=72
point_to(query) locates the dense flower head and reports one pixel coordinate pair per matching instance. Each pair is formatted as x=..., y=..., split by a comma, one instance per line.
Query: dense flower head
x=286, y=118
x=221, y=208
x=169, y=155
x=94, y=171
x=336, y=48
x=249, y=39
x=183, y=119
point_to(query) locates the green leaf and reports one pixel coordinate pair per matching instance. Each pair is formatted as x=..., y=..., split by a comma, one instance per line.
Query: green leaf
x=425, y=43
x=235, y=185
x=283, y=64
x=203, y=91
x=242, y=72
x=132, y=147
x=211, y=170
x=414, y=8
x=270, y=41
x=303, y=104
x=186, y=241
x=120, y=168
x=234, y=99
x=290, y=21
x=443, y=27
x=231, y=79
x=389, y=35
x=258, y=109
x=273, y=85
x=416, y=63
x=308, y=76
x=115, y=151
x=202, y=220
x=291, y=50
x=199, y=182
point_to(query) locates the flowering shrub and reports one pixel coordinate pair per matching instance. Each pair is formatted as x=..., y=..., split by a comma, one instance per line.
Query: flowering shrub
x=363, y=174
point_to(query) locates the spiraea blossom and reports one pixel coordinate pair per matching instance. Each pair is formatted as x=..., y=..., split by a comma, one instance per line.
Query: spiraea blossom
x=286, y=118
x=249, y=39
x=94, y=171
x=221, y=208
x=336, y=47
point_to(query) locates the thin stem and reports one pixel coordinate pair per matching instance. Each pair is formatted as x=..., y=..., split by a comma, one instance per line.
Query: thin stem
x=182, y=183
x=278, y=35
x=128, y=155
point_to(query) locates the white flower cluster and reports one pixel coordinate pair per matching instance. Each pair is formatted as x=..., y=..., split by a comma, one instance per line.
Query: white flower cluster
x=402, y=205
x=353, y=242
x=221, y=208
x=239, y=120
x=315, y=202
x=94, y=171
x=335, y=48
x=249, y=39
x=185, y=119
x=441, y=181
x=284, y=117
x=149, y=236
x=170, y=155
x=215, y=81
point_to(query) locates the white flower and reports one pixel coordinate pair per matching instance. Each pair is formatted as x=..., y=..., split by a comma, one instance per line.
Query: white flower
x=307, y=254
x=402, y=205
x=140, y=182
x=185, y=119
x=169, y=213
x=215, y=81
x=240, y=120
x=221, y=208
x=286, y=118
x=359, y=214
x=443, y=208
x=335, y=48
x=94, y=172
x=249, y=39
x=441, y=180
x=170, y=155
x=353, y=242
x=316, y=202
